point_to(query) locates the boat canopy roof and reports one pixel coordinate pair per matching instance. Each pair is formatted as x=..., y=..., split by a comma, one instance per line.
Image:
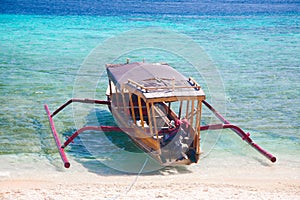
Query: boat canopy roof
x=153, y=81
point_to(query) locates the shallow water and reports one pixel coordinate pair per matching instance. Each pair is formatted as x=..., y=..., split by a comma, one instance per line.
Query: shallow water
x=255, y=48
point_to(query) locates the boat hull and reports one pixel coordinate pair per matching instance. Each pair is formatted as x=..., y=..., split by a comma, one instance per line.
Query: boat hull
x=169, y=154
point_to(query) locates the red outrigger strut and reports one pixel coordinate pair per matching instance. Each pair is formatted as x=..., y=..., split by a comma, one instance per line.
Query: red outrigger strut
x=60, y=147
x=237, y=130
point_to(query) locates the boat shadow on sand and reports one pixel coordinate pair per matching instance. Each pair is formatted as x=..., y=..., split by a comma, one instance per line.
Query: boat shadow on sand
x=113, y=153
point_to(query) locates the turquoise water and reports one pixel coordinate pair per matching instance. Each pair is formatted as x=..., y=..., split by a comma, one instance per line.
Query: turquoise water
x=256, y=54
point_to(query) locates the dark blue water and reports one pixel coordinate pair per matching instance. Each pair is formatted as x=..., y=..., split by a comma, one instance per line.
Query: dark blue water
x=145, y=7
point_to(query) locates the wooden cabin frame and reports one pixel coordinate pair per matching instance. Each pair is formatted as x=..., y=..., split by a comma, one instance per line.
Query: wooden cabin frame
x=148, y=107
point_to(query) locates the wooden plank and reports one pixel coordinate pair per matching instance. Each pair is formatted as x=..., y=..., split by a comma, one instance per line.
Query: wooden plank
x=166, y=97
x=173, y=87
x=162, y=115
x=135, y=83
x=139, y=135
x=154, y=98
x=152, y=143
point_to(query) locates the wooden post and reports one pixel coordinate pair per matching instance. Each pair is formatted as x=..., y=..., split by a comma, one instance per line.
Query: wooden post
x=132, y=108
x=197, y=128
x=180, y=108
x=141, y=111
x=187, y=109
x=117, y=97
x=149, y=119
x=110, y=89
x=169, y=108
x=123, y=99
x=192, y=113
x=154, y=120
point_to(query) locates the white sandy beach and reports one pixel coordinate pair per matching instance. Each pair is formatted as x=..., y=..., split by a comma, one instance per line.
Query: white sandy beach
x=147, y=187
x=196, y=182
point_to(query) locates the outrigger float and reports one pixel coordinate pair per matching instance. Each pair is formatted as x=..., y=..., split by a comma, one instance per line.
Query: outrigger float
x=159, y=109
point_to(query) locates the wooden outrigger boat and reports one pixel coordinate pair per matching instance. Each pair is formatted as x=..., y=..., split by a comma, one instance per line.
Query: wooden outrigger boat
x=159, y=109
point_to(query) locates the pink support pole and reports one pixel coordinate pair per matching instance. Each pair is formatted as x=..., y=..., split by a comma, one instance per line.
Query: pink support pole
x=92, y=128
x=56, y=138
x=236, y=129
x=90, y=101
